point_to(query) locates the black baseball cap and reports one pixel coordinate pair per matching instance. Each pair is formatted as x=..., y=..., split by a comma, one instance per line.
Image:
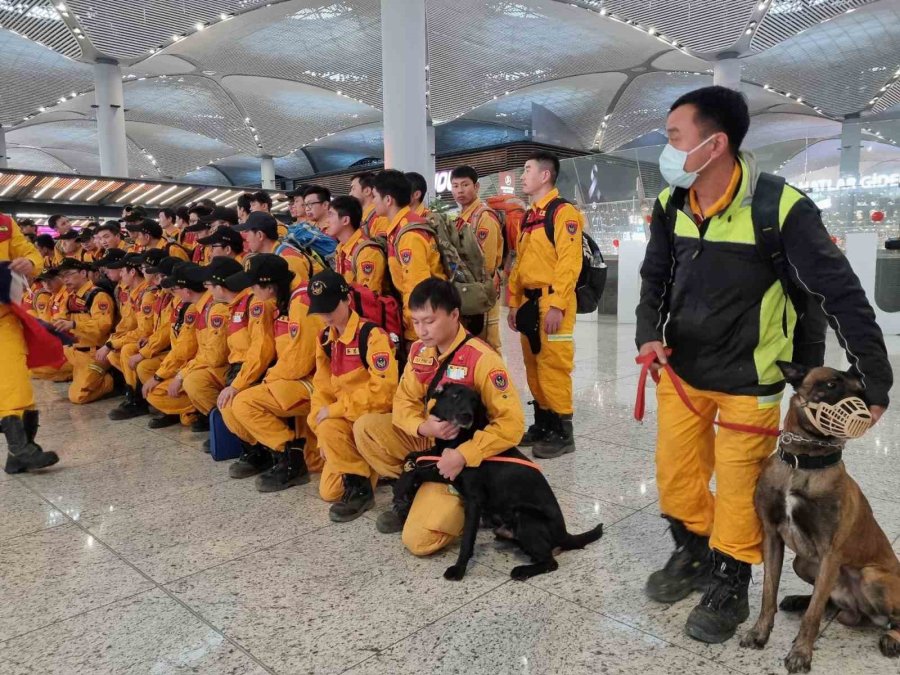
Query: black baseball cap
x=224, y=236
x=44, y=240
x=69, y=236
x=165, y=265
x=186, y=275
x=261, y=221
x=227, y=272
x=262, y=268
x=145, y=226
x=85, y=235
x=69, y=264
x=111, y=255
x=326, y=290
x=153, y=256
x=132, y=260
x=199, y=227
x=135, y=215
x=230, y=216
x=48, y=273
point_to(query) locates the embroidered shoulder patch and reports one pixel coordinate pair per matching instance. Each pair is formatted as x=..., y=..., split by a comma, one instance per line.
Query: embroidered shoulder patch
x=190, y=318
x=406, y=256
x=381, y=361
x=294, y=329
x=499, y=379
x=368, y=267
x=481, y=233
x=103, y=306
x=147, y=309
x=256, y=311
x=571, y=226
x=217, y=321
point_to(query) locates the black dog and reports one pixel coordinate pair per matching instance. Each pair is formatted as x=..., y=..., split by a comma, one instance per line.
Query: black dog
x=514, y=497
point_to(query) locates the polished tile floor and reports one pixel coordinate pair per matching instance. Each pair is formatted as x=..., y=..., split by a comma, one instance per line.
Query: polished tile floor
x=137, y=554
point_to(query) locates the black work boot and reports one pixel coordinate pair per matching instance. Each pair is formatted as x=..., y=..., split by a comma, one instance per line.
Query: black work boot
x=687, y=569
x=201, y=424
x=253, y=460
x=163, y=421
x=541, y=427
x=289, y=470
x=356, y=500
x=133, y=406
x=394, y=519
x=23, y=453
x=724, y=606
x=31, y=420
x=559, y=441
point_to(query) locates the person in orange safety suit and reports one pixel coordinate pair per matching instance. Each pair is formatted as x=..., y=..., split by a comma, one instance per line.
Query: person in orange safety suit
x=362, y=188
x=542, y=304
x=444, y=353
x=358, y=259
x=356, y=374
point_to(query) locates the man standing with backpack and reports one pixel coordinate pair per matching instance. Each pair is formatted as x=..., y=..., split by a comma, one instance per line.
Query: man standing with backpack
x=735, y=263
x=543, y=304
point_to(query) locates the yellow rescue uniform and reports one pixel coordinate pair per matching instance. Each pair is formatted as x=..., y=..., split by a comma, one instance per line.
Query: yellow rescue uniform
x=362, y=261
x=146, y=320
x=258, y=414
x=488, y=232
x=127, y=330
x=412, y=257
x=548, y=271
x=374, y=225
x=16, y=394
x=169, y=317
x=93, y=311
x=383, y=440
x=349, y=388
x=55, y=310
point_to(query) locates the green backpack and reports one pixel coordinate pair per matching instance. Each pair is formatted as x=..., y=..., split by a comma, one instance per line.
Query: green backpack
x=461, y=258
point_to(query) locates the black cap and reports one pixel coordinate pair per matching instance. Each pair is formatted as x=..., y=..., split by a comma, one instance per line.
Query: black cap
x=48, y=273
x=44, y=240
x=68, y=264
x=111, y=255
x=165, y=266
x=230, y=216
x=326, y=290
x=153, y=256
x=71, y=235
x=262, y=268
x=26, y=222
x=132, y=260
x=186, y=275
x=259, y=220
x=227, y=272
x=145, y=226
x=85, y=235
x=224, y=236
x=136, y=215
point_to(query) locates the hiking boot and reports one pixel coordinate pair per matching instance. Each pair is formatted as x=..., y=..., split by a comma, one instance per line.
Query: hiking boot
x=201, y=424
x=356, y=500
x=392, y=521
x=23, y=453
x=289, y=470
x=133, y=406
x=687, y=569
x=724, y=606
x=253, y=460
x=207, y=446
x=541, y=427
x=559, y=441
x=163, y=421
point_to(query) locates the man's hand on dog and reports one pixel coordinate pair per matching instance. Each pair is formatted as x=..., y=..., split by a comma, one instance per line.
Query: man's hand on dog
x=451, y=463
x=435, y=428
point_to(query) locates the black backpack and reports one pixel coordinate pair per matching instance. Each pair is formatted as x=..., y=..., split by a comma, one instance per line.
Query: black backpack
x=812, y=324
x=364, y=332
x=592, y=278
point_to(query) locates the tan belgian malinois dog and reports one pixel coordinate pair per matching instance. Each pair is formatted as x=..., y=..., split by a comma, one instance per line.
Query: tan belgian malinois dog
x=806, y=500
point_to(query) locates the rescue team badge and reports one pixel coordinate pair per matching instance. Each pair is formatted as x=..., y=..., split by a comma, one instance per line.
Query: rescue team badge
x=256, y=311
x=380, y=361
x=103, y=306
x=189, y=319
x=571, y=226
x=406, y=256
x=294, y=329
x=368, y=267
x=482, y=234
x=148, y=309
x=217, y=321
x=316, y=288
x=500, y=379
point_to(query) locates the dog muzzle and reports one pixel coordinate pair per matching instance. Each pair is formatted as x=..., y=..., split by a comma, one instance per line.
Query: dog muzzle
x=848, y=418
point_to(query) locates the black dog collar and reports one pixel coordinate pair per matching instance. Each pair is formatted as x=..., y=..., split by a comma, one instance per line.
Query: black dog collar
x=809, y=462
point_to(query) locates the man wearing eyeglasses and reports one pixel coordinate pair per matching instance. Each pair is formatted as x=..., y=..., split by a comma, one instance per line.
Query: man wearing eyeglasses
x=316, y=200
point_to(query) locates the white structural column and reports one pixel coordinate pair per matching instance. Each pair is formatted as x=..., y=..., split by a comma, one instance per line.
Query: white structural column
x=267, y=172
x=403, y=60
x=727, y=73
x=111, y=119
x=430, y=169
x=851, y=139
x=4, y=160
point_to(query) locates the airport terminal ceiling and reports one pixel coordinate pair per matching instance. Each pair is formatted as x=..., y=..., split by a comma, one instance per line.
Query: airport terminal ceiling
x=210, y=86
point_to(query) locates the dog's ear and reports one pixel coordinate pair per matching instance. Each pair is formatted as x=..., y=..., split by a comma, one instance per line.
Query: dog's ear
x=794, y=373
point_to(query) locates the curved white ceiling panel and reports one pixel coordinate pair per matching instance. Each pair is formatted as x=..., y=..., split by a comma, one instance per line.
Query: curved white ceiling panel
x=33, y=159
x=39, y=20
x=779, y=127
x=177, y=151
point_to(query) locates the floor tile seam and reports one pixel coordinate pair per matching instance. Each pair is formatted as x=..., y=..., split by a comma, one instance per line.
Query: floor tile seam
x=587, y=496
x=4, y=541
x=431, y=623
x=169, y=594
x=616, y=443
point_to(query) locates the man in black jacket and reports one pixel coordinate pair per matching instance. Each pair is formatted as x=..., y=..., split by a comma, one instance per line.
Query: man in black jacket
x=718, y=304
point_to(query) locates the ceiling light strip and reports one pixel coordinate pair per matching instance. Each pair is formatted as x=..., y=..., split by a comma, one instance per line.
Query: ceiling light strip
x=124, y=198
x=72, y=198
x=144, y=197
x=46, y=187
x=177, y=195
x=164, y=193
x=13, y=184
x=103, y=189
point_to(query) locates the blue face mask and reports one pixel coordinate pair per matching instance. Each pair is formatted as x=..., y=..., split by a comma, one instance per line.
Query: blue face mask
x=671, y=166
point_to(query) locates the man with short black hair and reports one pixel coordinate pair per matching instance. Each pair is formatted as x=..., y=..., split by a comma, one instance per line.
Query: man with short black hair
x=412, y=255
x=45, y=245
x=358, y=259
x=718, y=305
x=167, y=223
x=260, y=201
x=69, y=246
x=542, y=289
x=109, y=235
x=28, y=228
x=361, y=187
x=444, y=354
x=260, y=233
x=418, y=191
x=243, y=206
x=59, y=223
x=315, y=204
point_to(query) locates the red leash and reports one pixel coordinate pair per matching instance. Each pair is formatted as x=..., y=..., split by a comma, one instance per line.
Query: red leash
x=647, y=361
x=509, y=460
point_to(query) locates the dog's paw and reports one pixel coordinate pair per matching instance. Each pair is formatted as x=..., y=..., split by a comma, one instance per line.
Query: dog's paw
x=754, y=639
x=521, y=573
x=798, y=661
x=889, y=646
x=455, y=573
